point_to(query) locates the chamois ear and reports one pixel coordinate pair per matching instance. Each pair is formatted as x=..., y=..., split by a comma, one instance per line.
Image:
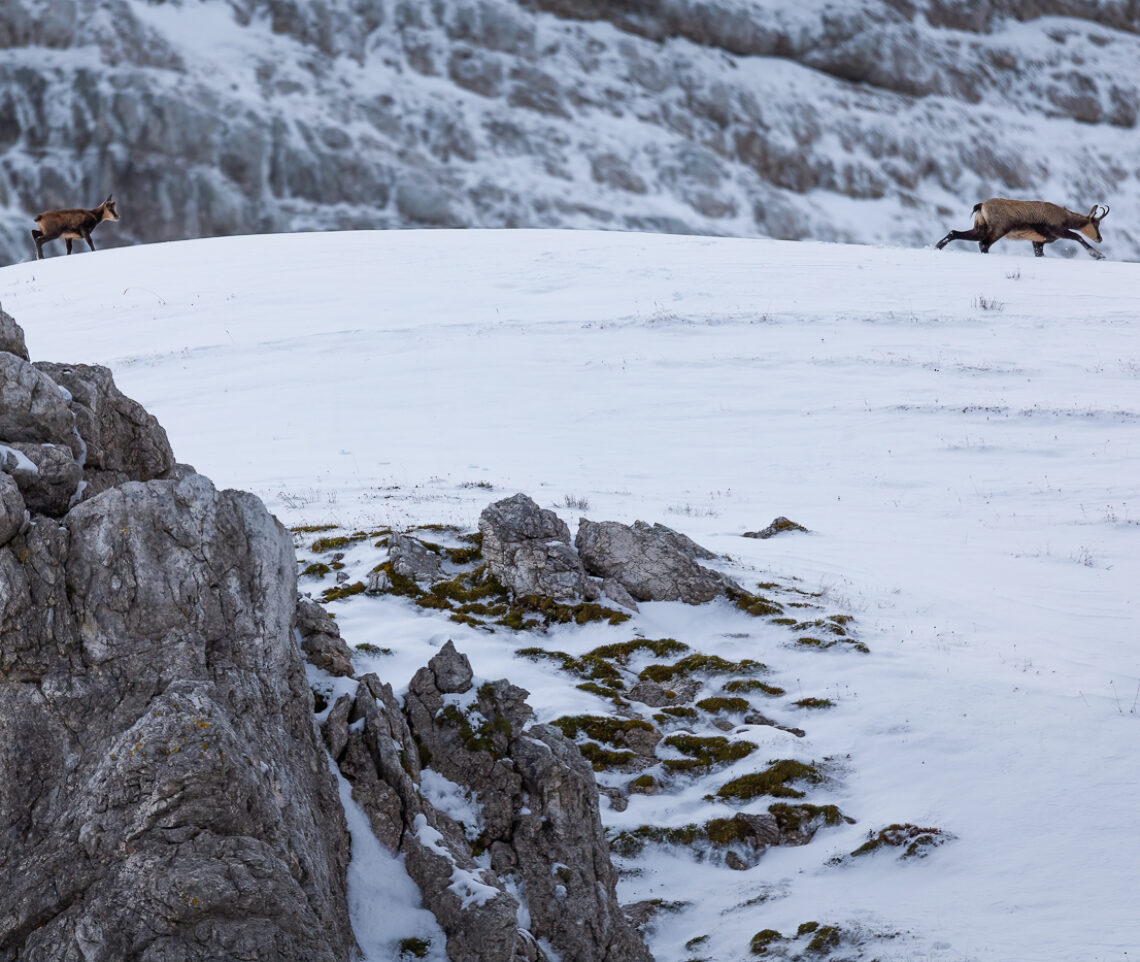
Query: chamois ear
x=108, y=200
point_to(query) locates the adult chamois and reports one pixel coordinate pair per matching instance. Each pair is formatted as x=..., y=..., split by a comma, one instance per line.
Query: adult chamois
x=71, y=225
x=1031, y=220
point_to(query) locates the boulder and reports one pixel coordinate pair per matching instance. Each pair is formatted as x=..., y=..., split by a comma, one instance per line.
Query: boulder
x=528, y=549
x=12, y=336
x=652, y=562
x=122, y=442
x=48, y=476
x=411, y=558
x=320, y=639
x=33, y=408
x=13, y=513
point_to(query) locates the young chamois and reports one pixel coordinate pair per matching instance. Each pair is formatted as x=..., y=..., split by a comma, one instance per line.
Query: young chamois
x=71, y=225
x=1031, y=220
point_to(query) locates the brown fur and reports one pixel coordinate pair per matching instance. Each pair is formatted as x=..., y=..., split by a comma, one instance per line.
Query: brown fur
x=1033, y=220
x=72, y=224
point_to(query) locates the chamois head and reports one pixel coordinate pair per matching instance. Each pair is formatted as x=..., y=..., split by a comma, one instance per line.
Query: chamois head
x=1092, y=231
x=108, y=209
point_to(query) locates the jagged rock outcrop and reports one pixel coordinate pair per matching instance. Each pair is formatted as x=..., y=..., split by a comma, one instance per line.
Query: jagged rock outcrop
x=164, y=792
x=652, y=562
x=320, y=639
x=537, y=815
x=412, y=559
x=872, y=121
x=71, y=433
x=528, y=549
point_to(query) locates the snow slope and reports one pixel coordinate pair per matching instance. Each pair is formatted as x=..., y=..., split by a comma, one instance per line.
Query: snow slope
x=960, y=433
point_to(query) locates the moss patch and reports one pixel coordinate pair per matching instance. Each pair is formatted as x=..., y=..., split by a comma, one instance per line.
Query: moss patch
x=914, y=841
x=763, y=939
x=814, y=703
x=701, y=664
x=723, y=705
x=343, y=591
x=708, y=752
x=772, y=781
x=316, y=570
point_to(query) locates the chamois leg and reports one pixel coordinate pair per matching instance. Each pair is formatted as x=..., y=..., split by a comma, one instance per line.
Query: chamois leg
x=1038, y=248
x=1073, y=235
x=38, y=237
x=976, y=234
x=90, y=242
x=67, y=241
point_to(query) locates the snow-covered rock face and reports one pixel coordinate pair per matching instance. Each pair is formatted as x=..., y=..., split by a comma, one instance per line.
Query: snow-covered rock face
x=869, y=120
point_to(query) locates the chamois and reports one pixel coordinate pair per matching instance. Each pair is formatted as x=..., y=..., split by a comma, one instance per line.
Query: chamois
x=1031, y=220
x=71, y=225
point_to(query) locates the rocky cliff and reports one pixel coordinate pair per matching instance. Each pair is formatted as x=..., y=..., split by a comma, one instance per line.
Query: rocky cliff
x=869, y=120
x=165, y=795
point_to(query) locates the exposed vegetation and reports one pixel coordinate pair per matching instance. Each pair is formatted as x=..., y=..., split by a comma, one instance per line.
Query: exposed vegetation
x=343, y=591
x=914, y=841
x=697, y=663
x=772, y=781
x=706, y=752
x=722, y=705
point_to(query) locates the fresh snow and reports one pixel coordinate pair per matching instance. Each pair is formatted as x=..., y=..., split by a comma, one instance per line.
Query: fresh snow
x=960, y=433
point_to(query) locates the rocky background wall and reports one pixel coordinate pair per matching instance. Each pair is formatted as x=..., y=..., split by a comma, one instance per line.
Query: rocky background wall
x=867, y=120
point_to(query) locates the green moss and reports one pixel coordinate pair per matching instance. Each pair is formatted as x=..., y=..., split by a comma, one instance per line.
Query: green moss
x=557, y=612
x=320, y=701
x=322, y=545
x=744, y=686
x=343, y=591
x=915, y=839
x=756, y=605
x=814, y=703
x=772, y=781
x=370, y=649
x=414, y=948
x=806, y=928
x=602, y=691
x=622, y=651
x=312, y=528
x=701, y=664
x=434, y=602
x=716, y=750
x=602, y=758
x=491, y=735
x=825, y=939
x=601, y=728
x=793, y=818
x=682, y=766
x=644, y=782
x=763, y=939
x=784, y=622
x=316, y=570
x=718, y=705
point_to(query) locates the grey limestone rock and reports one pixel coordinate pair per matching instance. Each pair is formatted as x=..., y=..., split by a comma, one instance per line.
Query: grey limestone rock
x=410, y=558
x=538, y=815
x=320, y=639
x=12, y=336
x=122, y=442
x=33, y=408
x=652, y=562
x=48, y=477
x=528, y=549
x=13, y=513
x=165, y=795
